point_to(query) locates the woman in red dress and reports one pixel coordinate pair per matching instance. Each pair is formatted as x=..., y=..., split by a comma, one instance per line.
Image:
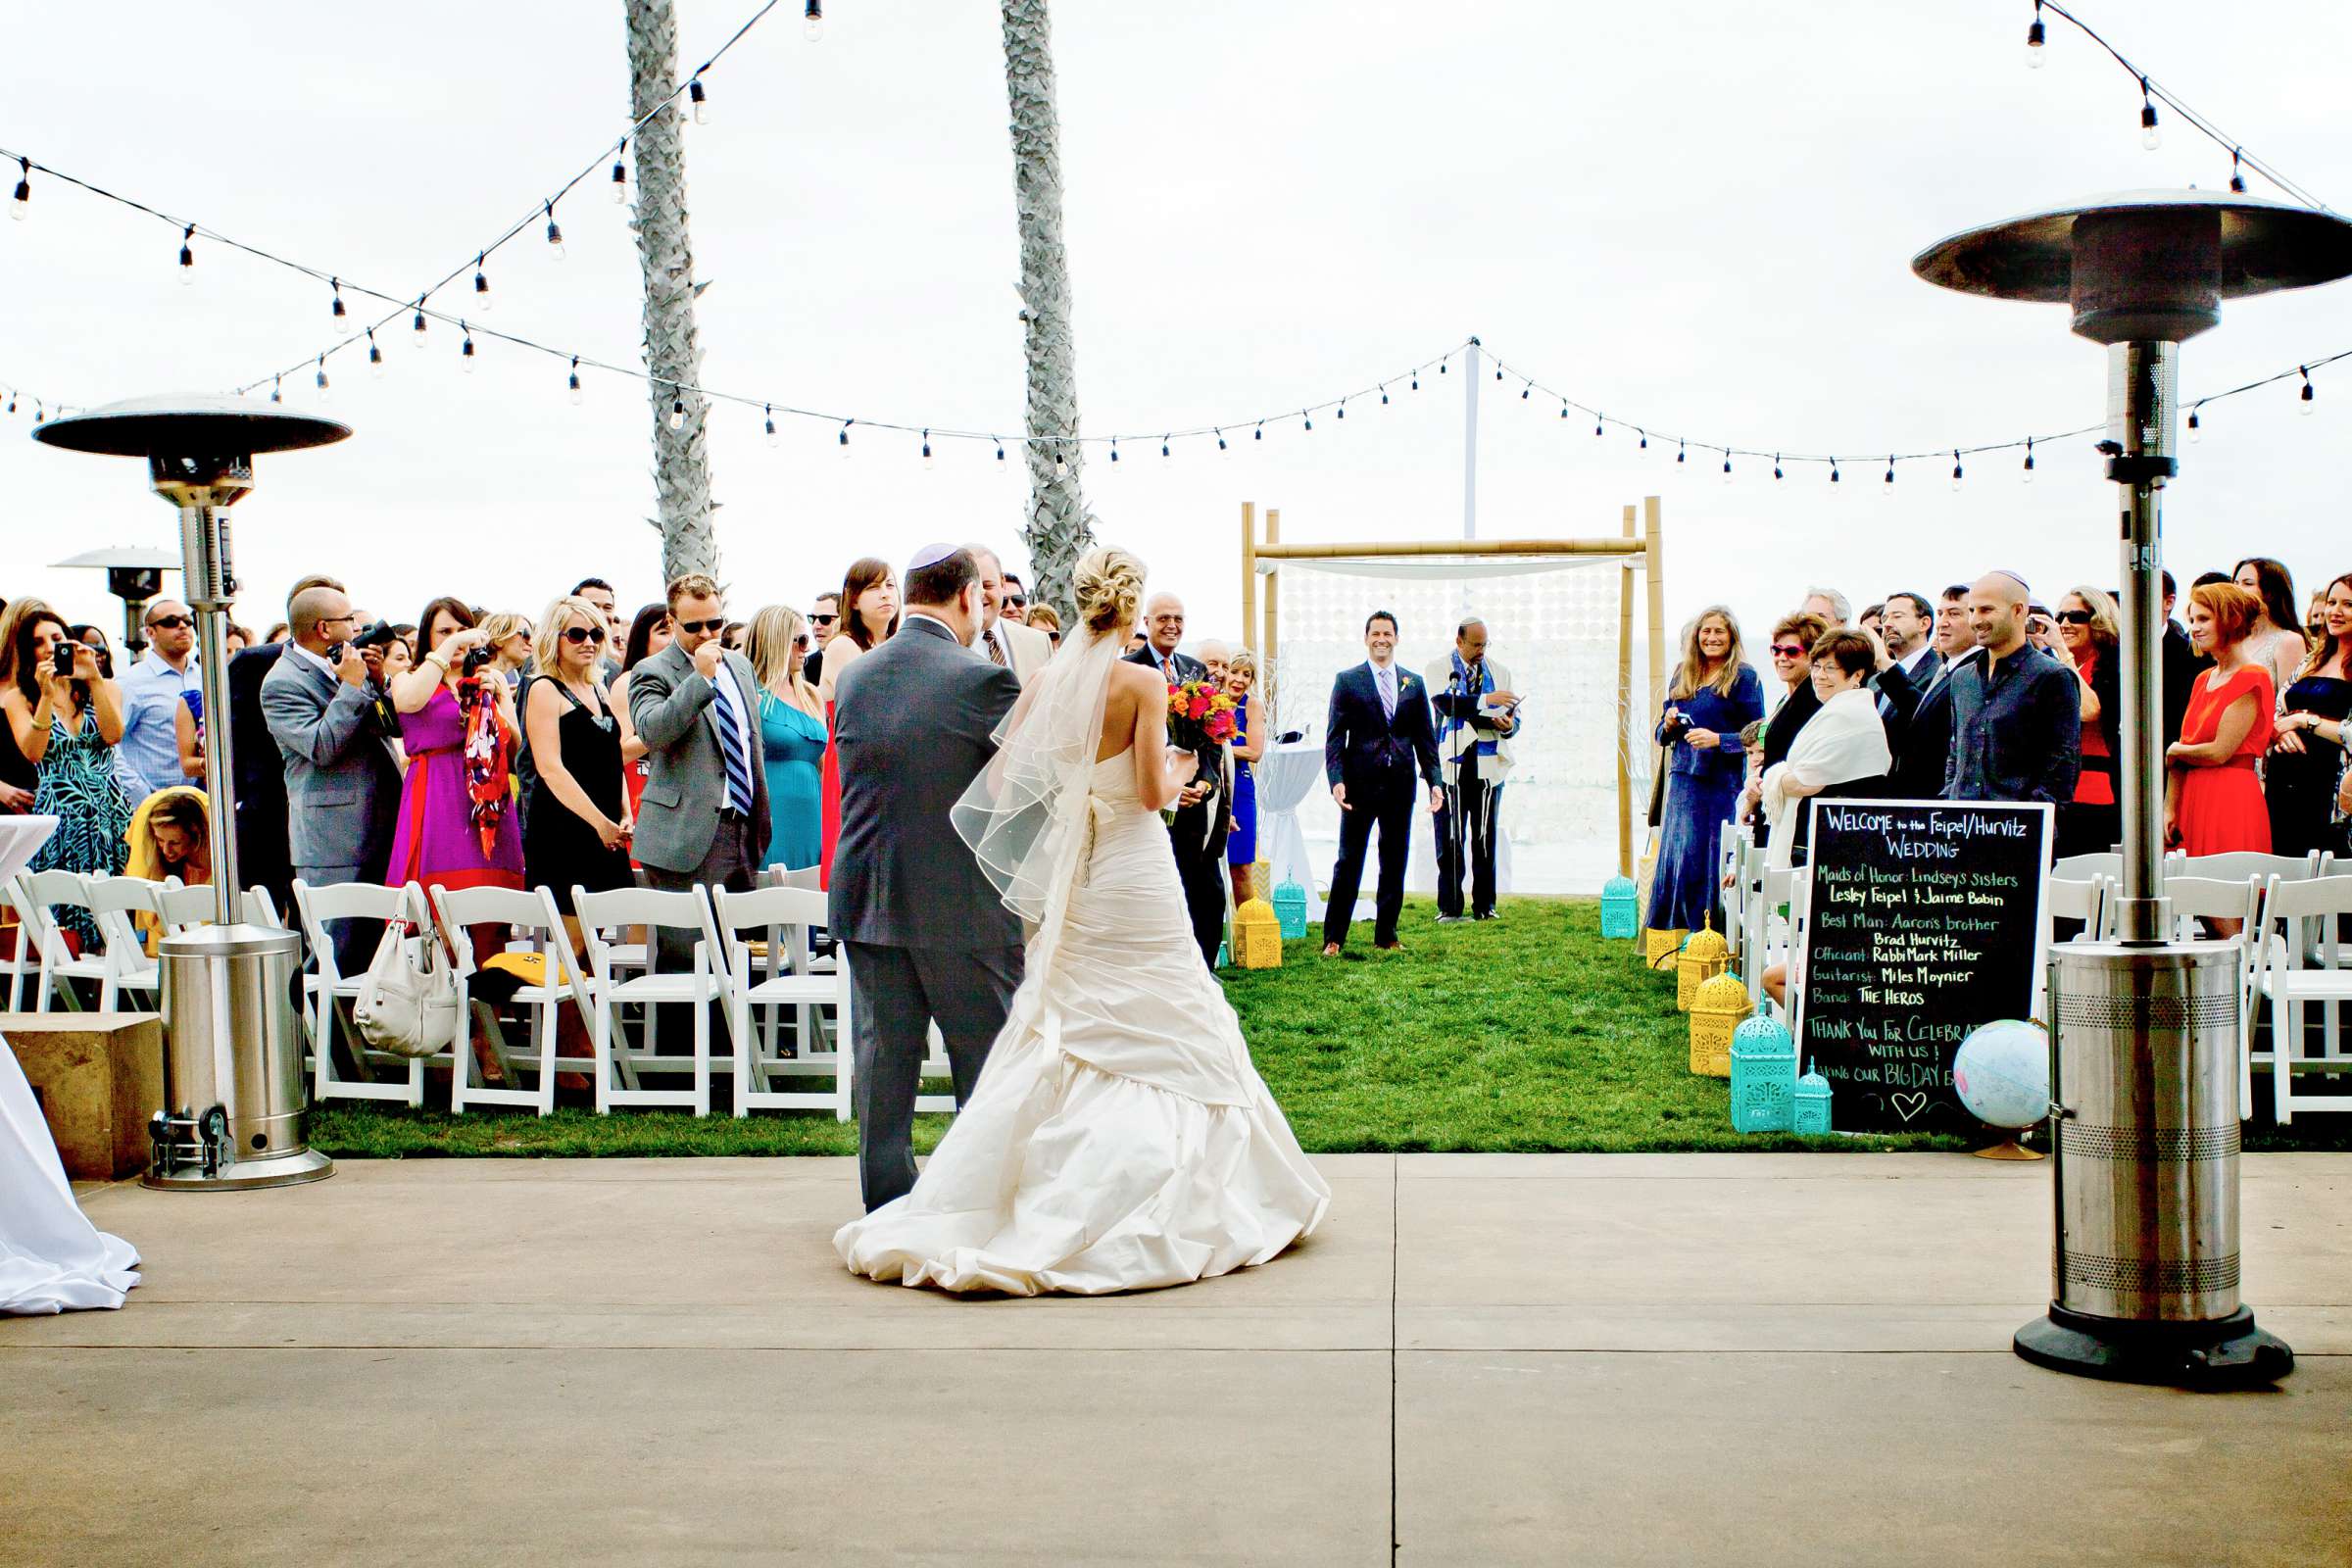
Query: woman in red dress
x=2213, y=801
x=869, y=615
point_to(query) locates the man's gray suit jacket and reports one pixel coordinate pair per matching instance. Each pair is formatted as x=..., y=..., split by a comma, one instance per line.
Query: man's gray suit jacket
x=914, y=721
x=342, y=785
x=677, y=714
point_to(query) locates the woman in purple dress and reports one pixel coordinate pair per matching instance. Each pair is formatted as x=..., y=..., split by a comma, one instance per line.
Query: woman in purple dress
x=452, y=833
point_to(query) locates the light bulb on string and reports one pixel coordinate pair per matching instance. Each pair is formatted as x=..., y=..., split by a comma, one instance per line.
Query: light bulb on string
x=2149, y=137
x=2035, y=38
x=1596, y=424
x=2195, y=427
x=1220, y=440
x=1259, y=434
x=335, y=307
x=187, y=256
x=1114, y=448
x=2307, y=392
x=20, y=206
x=1887, y=488
x=1000, y=441
x=1524, y=392
x=621, y=173
x=1645, y=439
x=322, y=379
x=1384, y=394
x=843, y=440
x=375, y=355
x=1499, y=373
x=1682, y=452
x=1563, y=410
x=1726, y=466
x=700, y=102
x=1834, y=475
x=274, y=394
x=578, y=396
x=481, y=285
x=2237, y=177
x=1441, y=367
x=1416, y=382
x=677, y=407
x=1163, y=449
x=554, y=234
x=2028, y=469
x=812, y=20
x=465, y=354
x=1775, y=466
x=1955, y=468
x=11, y=404
x=770, y=411
x=416, y=327
x=1308, y=418
x=927, y=463
x=1061, y=465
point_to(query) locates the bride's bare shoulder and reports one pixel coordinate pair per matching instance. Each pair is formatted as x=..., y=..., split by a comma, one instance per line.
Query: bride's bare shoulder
x=1136, y=679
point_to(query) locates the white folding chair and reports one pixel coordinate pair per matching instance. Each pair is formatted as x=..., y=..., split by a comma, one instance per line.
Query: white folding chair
x=2070, y=899
x=36, y=896
x=112, y=902
x=778, y=974
x=329, y=994
x=2082, y=867
x=534, y=919
x=2300, y=963
x=1800, y=909
x=601, y=916
x=2236, y=865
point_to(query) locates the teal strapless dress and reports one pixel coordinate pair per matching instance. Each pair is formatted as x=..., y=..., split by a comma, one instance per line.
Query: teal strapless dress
x=792, y=750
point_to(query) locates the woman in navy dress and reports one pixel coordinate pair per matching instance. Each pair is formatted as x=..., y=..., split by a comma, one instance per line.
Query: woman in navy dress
x=1714, y=695
x=2307, y=751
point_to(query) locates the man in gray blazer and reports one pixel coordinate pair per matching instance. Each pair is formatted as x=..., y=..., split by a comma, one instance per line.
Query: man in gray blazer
x=696, y=706
x=342, y=777
x=926, y=935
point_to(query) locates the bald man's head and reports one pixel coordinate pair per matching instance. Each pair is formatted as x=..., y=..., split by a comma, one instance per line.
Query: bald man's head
x=1163, y=623
x=317, y=617
x=1996, y=613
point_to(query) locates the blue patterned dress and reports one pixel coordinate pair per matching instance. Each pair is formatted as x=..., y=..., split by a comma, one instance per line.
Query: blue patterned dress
x=1702, y=788
x=78, y=787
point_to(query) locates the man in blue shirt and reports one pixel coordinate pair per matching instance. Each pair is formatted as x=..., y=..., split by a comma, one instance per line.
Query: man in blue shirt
x=152, y=689
x=2016, y=712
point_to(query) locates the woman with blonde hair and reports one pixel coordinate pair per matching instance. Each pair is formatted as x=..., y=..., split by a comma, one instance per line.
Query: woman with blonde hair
x=509, y=643
x=792, y=737
x=1713, y=695
x=170, y=835
x=577, y=820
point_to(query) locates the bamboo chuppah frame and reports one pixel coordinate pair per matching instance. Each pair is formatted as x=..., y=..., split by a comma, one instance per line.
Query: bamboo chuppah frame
x=1639, y=550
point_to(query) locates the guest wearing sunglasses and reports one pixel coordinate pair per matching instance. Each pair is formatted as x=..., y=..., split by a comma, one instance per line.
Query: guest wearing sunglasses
x=1791, y=649
x=792, y=738
x=824, y=618
x=154, y=690
x=2088, y=642
x=576, y=818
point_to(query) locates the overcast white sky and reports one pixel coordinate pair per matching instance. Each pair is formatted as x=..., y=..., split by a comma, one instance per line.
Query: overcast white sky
x=1696, y=216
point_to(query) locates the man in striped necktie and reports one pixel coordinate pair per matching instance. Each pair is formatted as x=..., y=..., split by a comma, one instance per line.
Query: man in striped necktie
x=704, y=820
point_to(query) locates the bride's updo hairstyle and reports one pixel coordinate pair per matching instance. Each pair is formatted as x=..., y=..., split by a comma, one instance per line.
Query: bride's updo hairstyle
x=1110, y=587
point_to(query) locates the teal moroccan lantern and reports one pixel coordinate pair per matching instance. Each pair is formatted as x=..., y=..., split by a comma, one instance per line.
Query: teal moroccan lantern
x=1620, y=919
x=1812, y=1102
x=1290, y=911
x=1764, y=1078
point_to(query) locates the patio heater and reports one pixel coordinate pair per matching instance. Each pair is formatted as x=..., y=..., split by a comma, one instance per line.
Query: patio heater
x=135, y=575
x=2143, y=1054
x=234, y=1110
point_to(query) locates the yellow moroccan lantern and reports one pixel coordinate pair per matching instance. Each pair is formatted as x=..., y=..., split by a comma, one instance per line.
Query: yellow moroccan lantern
x=1704, y=956
x=1257, y=935
x=1660, y=944
x=1719, y=1008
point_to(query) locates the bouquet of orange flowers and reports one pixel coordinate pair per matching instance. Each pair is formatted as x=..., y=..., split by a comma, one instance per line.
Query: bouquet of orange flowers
x=1200, y=716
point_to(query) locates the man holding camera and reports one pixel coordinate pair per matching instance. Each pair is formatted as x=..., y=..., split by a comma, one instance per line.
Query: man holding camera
x=342, y=777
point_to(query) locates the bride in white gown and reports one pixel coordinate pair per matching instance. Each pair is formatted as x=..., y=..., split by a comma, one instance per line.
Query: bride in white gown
x=1119, y=1138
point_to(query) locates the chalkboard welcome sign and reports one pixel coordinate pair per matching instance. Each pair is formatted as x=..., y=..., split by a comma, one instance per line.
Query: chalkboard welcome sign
x=1926, y=921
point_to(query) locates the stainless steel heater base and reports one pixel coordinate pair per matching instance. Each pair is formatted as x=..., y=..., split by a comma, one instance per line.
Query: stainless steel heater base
x=244, y=1175
x=2227, y=1353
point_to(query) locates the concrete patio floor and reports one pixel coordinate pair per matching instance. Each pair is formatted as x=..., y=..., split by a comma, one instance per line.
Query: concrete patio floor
x=1576, y=1360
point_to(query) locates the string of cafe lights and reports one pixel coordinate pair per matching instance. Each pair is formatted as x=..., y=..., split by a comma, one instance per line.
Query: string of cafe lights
x=340, y=284
x=422, y=310
x=2151, y=93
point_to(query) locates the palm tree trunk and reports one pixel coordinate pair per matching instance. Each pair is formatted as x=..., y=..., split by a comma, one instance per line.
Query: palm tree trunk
x=674, y=356
x=1059, y=529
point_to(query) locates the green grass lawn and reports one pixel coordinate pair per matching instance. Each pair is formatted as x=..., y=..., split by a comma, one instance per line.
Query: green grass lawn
x=1528, y=1034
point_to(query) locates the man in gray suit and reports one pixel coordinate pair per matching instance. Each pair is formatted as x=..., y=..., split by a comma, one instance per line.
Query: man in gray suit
x=342, y=779
x=696, y=705
x=927, y=937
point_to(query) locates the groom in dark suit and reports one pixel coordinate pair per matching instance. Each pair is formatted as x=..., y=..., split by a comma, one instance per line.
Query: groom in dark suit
x=928, y=939
x=1377, y=739
x=1202, y=814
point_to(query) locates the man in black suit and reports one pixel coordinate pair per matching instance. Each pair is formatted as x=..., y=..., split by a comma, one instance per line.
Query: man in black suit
x=1202, y=814
x=1378, y=737
x=1927, y=736
x=1907, y=630
x=2181, y=664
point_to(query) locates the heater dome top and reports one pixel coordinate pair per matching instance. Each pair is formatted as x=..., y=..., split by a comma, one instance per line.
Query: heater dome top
x=2266, y=245
x=189, y=423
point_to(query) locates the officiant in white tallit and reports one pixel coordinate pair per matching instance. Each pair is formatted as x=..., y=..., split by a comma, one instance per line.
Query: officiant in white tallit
x=1841, y=750
x=1477, y=711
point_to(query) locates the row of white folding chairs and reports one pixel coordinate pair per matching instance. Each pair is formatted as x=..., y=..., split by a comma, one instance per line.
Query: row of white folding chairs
x=2298, y=960
x=751, y=956
x=121, y=967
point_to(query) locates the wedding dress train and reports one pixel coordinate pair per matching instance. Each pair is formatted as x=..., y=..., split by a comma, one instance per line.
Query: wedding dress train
x=51, y=1258
x=1119, y=1138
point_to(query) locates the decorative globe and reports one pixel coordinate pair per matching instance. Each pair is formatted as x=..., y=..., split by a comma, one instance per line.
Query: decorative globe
x=2003, y=1073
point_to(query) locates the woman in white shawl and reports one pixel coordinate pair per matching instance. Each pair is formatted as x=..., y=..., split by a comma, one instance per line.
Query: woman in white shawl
x=1844, y=741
